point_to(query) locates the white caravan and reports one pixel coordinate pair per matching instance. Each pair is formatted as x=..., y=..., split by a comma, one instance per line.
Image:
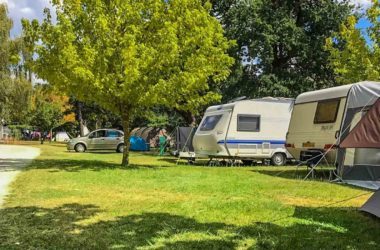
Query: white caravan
x=316, y=123
x=246, y=130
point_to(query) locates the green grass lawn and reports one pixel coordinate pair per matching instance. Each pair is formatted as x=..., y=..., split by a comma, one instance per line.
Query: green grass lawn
x=67, y=200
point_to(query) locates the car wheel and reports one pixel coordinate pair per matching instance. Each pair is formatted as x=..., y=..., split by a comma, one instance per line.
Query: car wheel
x=278, y=159
x=80, y=148
x=120, y=148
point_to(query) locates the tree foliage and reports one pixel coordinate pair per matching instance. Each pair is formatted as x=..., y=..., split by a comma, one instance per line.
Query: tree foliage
x=352, y=57
x=15, y=91
x=280, y=44
x=94, y=116
x=130, y=55
x=49, y=110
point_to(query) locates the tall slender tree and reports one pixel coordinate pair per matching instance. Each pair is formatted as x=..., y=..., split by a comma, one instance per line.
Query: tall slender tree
x=15, y=92
x=352, y=57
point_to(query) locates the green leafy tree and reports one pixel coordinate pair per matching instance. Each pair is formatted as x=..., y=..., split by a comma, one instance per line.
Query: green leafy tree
x=280, y=44
x=352, y=57
x=15, y=92
x=127, y=56
x=48, y=110
x=46, y=116
x=93, y=116
x=6, y=54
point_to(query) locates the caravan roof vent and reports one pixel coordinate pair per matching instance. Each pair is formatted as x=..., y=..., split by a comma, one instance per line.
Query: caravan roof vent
x=270, y=98
x=238, y=99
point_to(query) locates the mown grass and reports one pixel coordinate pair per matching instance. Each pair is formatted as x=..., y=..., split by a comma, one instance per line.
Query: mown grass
x=68, y=201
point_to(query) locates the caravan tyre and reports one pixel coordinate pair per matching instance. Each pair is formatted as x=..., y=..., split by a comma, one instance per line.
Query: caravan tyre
x=278, y=159
x=247, y=162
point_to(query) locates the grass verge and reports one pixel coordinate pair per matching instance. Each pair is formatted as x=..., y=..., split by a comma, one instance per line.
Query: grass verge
x=65, y=200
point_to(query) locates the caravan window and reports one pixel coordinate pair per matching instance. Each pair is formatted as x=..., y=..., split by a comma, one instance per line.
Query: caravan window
x=210, y=122
x=327, y=111
x=248, y=123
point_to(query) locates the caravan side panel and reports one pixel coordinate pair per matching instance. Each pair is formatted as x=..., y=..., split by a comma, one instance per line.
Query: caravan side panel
x=311, y=126
x=268, y=138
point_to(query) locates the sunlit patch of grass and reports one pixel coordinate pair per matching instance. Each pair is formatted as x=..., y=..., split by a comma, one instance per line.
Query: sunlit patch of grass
x=70, y=200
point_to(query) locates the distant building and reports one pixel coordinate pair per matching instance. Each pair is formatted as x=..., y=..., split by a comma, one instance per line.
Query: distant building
x=5, y=132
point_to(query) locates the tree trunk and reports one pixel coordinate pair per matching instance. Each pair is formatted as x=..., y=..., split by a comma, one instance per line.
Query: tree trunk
x=188, y=117
x=80, y=118
x=1, y=131
x=127, y=135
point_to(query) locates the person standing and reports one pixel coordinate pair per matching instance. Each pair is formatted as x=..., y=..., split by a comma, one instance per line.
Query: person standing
x=162, y=141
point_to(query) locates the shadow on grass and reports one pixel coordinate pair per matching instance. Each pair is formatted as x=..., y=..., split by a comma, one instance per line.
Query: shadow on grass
x=294, y=173
x=60, y=228
x=8, y=165
x=184, y=162
x=70, y=165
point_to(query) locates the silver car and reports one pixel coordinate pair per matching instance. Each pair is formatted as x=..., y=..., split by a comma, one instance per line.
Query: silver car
x=101, y=139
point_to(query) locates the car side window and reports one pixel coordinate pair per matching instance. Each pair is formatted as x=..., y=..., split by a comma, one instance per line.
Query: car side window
x=113, y=134
x=92, y=135
x=100, y=133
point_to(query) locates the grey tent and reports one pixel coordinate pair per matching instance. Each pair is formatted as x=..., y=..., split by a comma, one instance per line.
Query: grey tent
x=358, y=158
x=149, y=134
x=184, y=139
x=372, y=206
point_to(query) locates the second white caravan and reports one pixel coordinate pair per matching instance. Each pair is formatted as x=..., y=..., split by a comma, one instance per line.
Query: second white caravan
x=247, y=130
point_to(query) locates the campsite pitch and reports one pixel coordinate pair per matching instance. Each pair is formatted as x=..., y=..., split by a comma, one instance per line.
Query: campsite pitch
x=87, y=201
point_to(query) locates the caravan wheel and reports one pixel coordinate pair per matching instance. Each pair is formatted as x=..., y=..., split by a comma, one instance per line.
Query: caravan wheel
x=247, y=162
x=278, y=159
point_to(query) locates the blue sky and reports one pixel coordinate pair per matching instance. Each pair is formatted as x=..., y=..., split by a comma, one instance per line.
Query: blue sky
x=30, y=9
x=33, y=9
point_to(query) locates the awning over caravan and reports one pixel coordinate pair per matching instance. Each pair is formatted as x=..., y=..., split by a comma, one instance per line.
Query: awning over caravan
x=358, y=157
x=366, y=134
x=372, y=206
x=184, y=139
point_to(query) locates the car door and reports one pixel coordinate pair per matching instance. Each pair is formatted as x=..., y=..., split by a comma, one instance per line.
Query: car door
x=97, y=139
x=113, y=138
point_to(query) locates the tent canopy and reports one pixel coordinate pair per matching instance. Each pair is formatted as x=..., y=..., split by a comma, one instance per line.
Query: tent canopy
x=138, y=144
x=366, y=134
x=358, y=156
x=372, y=206
x=184, y=139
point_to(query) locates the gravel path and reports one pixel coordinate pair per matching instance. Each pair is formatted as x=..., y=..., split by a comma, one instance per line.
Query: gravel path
x=12, y=159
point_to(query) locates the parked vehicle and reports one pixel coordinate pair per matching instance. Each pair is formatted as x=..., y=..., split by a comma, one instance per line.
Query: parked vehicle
x=61, y=136
x=102, y=139
x=341, y=125
x=246, y=130
x=315, y=122
x=321, y=117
